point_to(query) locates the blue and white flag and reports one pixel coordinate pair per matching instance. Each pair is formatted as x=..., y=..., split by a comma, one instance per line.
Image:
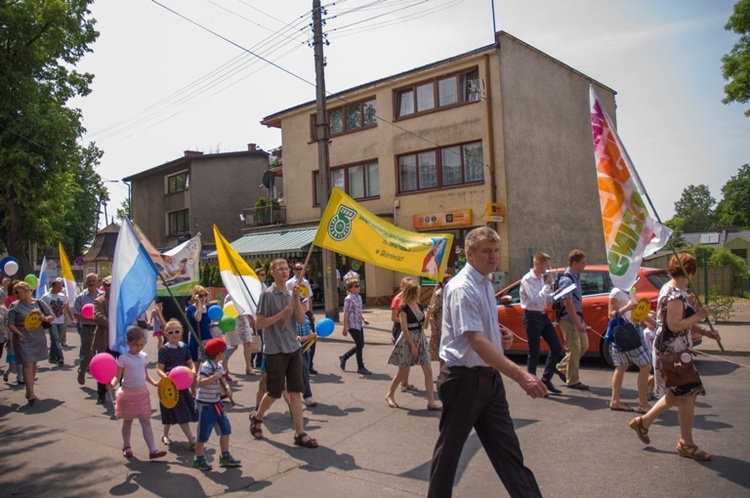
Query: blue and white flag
x=41, y=287
x=133, y=285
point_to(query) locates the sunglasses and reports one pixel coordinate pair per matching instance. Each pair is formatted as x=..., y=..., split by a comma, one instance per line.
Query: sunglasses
x=298, y=269
x=174, y=332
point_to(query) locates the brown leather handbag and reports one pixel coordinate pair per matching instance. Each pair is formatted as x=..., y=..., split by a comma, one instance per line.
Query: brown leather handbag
x=678, y=369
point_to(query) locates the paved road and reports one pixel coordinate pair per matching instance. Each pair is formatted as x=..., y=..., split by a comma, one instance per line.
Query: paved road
x=66, y=445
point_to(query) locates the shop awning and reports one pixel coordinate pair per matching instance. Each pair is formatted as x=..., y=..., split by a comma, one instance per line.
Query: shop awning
x=281, y=244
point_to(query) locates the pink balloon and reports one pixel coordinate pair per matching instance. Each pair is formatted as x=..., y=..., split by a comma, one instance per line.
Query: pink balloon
x=103, y=367
x=182, y=377
x=87, y=311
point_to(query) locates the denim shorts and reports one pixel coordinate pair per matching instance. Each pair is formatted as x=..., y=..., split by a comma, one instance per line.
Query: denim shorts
x=211, y=415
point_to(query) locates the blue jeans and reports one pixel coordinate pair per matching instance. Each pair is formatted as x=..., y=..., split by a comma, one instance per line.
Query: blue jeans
x=55, y=351
x=306, y=360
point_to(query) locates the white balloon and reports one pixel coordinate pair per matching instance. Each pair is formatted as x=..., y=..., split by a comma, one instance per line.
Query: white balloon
x=11, y=267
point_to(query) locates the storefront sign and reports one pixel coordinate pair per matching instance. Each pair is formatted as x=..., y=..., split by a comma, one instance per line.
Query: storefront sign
x=457, y=218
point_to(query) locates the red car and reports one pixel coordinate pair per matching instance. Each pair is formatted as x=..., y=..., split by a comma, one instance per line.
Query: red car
x=596, y=285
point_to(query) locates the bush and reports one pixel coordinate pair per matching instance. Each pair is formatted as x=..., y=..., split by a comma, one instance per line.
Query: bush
x=720, y=308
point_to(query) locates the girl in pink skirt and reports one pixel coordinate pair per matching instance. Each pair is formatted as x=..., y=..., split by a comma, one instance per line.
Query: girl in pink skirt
x=133, y=400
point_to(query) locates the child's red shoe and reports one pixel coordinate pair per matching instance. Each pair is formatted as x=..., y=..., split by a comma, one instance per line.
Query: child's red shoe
x=156, y=454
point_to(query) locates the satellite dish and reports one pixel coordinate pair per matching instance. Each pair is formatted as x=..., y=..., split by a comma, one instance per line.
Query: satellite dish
x=268, y=179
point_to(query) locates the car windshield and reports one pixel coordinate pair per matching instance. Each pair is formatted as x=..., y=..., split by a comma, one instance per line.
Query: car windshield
x=658, y=279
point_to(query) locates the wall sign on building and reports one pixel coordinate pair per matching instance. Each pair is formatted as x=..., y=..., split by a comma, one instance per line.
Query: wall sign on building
x=455, y=218
x=495, y=212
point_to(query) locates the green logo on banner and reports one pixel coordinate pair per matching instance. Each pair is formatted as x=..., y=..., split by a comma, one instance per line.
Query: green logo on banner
x=341, y=224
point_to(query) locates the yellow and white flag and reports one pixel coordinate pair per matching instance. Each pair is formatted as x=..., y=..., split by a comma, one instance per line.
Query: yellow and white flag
x=67, y=275
x=240, y=280
x=350, y=229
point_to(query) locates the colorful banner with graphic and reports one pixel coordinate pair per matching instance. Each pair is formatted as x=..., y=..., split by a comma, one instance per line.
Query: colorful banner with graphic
x=350, y=229
x=180, y=266
x=630, y=233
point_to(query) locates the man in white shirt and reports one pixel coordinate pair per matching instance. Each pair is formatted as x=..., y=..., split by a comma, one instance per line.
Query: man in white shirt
x=535, y=294
x=57, y=300
x=469, y=384
x=307, y=294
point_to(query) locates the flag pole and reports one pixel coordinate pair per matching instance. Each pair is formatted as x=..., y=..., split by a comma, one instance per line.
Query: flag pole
x=644, y=192
x=304, y=268
x=190, y=327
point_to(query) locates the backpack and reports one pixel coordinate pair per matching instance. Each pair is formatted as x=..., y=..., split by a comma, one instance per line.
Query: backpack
x=558, y=305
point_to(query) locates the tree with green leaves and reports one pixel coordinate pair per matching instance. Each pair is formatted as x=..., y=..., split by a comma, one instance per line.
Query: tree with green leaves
x=695, y=207
x=736, y=64
x=734, y=208
x=124, y=210
x=40, y=158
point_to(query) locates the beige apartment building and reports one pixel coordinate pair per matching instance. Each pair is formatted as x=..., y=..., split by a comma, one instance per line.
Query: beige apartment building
x=430, y=149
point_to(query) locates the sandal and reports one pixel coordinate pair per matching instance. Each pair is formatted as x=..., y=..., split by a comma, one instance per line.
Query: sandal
x=621, y=407
x=165, y=439
x=390, y=402
x=637, y=425
x=192, y=443
x=307, y=443
x=692, y=451
x=255, y=429
x=643, y=408
x=409, y=387
x=127, y=452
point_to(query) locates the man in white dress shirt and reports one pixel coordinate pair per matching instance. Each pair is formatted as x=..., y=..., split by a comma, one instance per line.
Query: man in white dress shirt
x=535, y=294
x=470, y=384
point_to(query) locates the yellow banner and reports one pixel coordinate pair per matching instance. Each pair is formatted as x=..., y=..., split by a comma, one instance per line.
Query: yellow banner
x=350, y=229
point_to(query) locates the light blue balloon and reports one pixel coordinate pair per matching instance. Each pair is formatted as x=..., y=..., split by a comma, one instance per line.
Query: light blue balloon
x=325, y=327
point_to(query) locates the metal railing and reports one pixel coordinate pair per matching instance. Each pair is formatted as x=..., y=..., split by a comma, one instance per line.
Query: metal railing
x=266, y=215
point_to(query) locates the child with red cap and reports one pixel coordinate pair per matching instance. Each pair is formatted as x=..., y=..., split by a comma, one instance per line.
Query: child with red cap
x=210, y=408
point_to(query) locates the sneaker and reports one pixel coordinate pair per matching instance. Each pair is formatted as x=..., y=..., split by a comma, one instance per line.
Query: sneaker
x=81, y=378
x=200, y=463
x=227, y=377
x=363, y=371
x=342, y=362
x=100, y=400
x=313, y=371
x=310, y=401
x=226, y=460
x=653, y=397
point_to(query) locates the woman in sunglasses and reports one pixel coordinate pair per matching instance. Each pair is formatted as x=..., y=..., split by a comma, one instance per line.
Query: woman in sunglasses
x=25, y=319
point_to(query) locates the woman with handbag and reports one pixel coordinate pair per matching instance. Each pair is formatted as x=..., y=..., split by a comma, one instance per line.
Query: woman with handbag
x=676, y=318
x=622, y=302
x=26, y=318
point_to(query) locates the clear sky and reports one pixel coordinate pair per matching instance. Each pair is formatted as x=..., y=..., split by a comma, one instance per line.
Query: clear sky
x=164, y=85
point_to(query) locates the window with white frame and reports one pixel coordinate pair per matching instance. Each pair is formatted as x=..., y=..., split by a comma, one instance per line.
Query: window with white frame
x=177, y=182
x=178, y=222
x=444, y=167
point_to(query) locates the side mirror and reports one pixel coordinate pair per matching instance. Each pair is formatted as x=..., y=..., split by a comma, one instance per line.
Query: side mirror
x=506, y=300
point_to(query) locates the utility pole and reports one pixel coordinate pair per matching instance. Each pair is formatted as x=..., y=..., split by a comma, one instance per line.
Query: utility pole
x=330, y=286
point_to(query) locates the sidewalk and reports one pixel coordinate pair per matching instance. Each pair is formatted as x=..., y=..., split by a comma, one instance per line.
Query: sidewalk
x=735, y=338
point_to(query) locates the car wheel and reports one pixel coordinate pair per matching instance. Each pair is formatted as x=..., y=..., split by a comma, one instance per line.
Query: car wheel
x=606, y=355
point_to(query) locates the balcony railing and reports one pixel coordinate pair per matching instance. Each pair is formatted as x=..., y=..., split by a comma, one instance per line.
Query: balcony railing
x=267, y=215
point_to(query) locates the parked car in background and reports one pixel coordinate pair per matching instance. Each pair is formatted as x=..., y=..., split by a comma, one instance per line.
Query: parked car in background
x=596, y=284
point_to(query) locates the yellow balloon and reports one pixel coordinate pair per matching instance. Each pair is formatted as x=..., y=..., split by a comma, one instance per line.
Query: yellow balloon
x=168, y=394
x=231, y=310
x=641, y=311
x=33, y=320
